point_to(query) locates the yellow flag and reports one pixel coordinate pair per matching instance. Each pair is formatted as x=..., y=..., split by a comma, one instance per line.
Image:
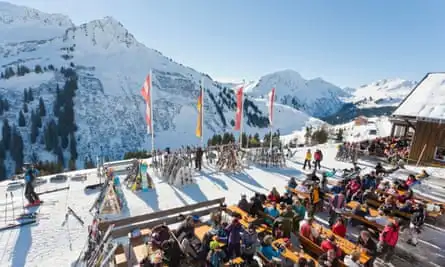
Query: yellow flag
x=199, y=124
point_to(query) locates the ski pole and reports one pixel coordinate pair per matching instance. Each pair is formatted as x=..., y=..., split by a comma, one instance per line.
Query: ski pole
x=23, y=202
x=12, y=204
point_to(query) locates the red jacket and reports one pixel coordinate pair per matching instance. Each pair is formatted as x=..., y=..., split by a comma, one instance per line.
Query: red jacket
x=273, y=198
x=354, y=186
x=318, y=155
x=390, y=235
x=306, y=231
x=328, y=245
x=339, y=229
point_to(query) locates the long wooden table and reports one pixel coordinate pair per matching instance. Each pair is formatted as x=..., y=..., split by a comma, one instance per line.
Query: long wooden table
x=246, y=219
x=347, y=246
x=290, y=253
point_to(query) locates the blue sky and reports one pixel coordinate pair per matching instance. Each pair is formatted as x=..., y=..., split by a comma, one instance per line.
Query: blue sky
x=346, y=42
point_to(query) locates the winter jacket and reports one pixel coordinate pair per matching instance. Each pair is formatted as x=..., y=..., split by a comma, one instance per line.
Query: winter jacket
x=318, y=156
x=315, y=195
x=306, y=231
x=30, y=175
x=269, y=252
x=273, y=212
x=292, y=184
x=354, y=186
x=250, y=242
x=234, y=231
x=339, y=229
x=216, y=258
x=308, y=156
x=368, y=183
x=327, y=245
x=338, y=201
x=272, y=198
x=185, y=229
x=300, y=210
x=390, y=235
x=286, y=220
x=256, y=206
x=369, y=245
x=418, y=218
x=244, y=205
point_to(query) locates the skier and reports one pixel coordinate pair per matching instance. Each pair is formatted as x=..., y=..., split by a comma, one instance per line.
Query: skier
x=198, y=159
x=318, y=156
x=30, y=174
x=307, y=159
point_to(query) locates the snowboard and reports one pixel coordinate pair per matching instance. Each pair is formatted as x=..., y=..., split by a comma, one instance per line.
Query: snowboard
x=144, y=181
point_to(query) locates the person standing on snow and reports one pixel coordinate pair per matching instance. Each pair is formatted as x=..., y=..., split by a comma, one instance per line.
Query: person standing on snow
x=307, y=159
x=318, y=157
x=30, y=194
x=198, y=159
x=416, y=222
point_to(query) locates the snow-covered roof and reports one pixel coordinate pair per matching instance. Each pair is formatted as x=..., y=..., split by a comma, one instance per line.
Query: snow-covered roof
x=426, y=100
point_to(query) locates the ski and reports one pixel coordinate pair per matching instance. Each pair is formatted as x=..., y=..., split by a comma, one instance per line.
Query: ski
x=15, y=225
x=54, y=190
x=99, y=248
x=76, y=216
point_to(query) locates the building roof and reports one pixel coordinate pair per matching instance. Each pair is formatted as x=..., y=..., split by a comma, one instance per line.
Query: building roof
x=426, y=101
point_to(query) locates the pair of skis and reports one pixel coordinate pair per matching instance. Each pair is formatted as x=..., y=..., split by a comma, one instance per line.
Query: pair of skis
x=29, y=218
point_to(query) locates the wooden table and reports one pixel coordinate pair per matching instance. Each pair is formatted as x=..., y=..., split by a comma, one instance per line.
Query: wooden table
x=246, y=219
x=140, y=249
x=235, y=261
x=291, y=254
x=347, y=246
x=120, y=259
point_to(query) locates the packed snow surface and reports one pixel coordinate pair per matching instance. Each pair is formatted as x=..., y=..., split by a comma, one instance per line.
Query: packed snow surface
x=427, y=100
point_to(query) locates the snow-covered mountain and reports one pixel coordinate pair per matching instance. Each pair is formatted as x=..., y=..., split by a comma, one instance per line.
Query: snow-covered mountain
x=104, y=65
x=386, y=92
x=315, y=97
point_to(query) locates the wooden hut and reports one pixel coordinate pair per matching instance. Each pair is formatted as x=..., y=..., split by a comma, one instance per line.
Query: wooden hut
x=423, y=113
x=361, y=120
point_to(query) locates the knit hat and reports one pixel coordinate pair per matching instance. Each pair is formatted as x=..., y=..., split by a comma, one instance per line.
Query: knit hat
x=214, y=245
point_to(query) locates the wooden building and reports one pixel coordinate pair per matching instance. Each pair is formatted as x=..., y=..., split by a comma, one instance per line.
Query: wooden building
x=361, y=120
x=421, y=117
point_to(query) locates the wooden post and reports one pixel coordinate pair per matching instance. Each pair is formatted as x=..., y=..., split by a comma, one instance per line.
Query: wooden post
x=393, y=128
x=421, y=155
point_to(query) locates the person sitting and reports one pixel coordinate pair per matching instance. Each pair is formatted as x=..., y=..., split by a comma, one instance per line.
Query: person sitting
x=299, y=209
x=336, y=204
x=353, y=260
x=381, y=218
x=216, y=255
x=383, y=186
x=287, y=198
x=366, y=243
x=352, y=188
x=339, y=228
x=306, y=230
x=328, y=259
x=274, y=196
x=292, y=183
x=406, y=207
x=302, y=188
x=369, y=195
x=338, y=187
x=255, y=206
x=411, y=181
x=160, y=234
x=329, y=244
x=392, y=190
x=388, y=206
x=369, y=182
x=272, y=212
x=249, y=244
x=278, y=231
x=402, y=198
x=243, y=203
x=172, y=252
x=268, y=251
x=379, y=170
x=422, y=175
x=360, y=210
x=286, y=219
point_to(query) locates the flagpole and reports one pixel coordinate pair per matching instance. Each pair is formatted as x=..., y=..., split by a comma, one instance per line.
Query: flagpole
x=151, y=115
x=272, y=96
x=242, y=115
x=202, y=112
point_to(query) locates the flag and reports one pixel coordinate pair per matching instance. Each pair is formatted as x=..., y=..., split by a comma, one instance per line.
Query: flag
x=239, y=108
x=146, y=94
x=199, y=105
x=271, y=99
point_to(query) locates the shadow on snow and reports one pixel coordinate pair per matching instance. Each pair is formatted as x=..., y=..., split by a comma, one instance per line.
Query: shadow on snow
x=22, y=246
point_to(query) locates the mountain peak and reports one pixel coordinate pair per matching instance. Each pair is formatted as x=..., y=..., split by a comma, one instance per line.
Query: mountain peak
x=105, y=33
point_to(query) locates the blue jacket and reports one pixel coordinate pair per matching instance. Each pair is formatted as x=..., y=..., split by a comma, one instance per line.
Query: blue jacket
x=31, y=174
x=274, y=213
x=234, y=232
x=268, y=251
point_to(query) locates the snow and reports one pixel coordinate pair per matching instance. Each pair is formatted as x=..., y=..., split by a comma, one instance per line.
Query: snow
x=315, y=97
x=27, y=81
x=357, y=133
x=386, y=92
x=427, y=100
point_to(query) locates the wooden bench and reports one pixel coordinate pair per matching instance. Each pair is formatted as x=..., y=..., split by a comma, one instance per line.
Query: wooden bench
x=120, y=259
x=290, y=253
x=346, y=246
x=314, y=249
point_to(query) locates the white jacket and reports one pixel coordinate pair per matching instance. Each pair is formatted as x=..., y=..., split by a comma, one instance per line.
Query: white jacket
x=348, y=262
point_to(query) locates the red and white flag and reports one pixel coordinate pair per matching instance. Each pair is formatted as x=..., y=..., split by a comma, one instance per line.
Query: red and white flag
x=271, y=100
x=146, y=94
x=239, y=108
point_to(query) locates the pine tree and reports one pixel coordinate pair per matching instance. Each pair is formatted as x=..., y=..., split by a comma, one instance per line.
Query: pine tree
x=72, y=165
x=25, y=96
x=38, y=69
x=2, y=150
x=2, y=170
x=34, y=128
x=340, y=135
x=59, y=153
x=6, y=134
x=22, y=121
x=1, y=107
x=64, y=141
x=25, y=107
x=73, y=146
x=42, y=109
x=17, y=149
x=30, y=95
x=5, y=104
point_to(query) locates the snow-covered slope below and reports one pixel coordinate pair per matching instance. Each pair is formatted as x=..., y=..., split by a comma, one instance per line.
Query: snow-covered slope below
x=387, y=92
x=110, y=65
x=315, y=97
